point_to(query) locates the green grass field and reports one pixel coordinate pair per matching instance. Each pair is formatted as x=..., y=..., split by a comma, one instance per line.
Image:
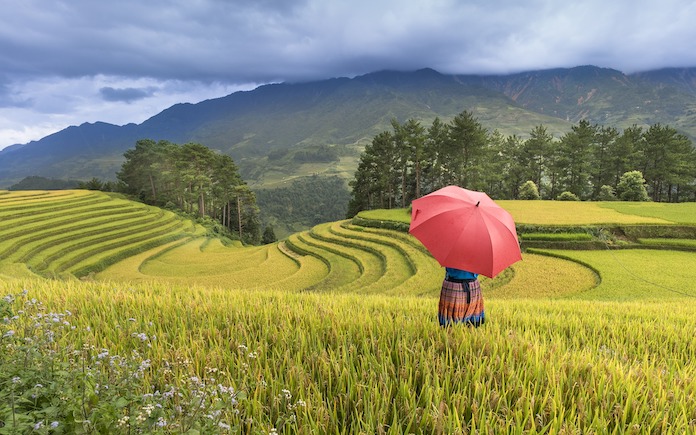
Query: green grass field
x=334, y=330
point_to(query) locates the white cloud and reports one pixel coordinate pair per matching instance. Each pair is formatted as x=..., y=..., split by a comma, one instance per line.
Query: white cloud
x=49, y=104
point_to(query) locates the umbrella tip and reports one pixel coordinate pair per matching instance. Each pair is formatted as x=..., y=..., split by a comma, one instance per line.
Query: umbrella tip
x=477, y=204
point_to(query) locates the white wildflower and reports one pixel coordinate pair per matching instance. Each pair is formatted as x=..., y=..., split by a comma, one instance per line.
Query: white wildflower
x=148, y=409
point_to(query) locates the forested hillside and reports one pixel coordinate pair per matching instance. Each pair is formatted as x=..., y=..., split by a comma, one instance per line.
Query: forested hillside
x=192, y=179
x=289, y=121
x=590, y=162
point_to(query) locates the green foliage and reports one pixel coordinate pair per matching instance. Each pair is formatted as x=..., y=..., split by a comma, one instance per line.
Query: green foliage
x=268, y=235
x=631, y=187
x=587, y=162
x=195, y=179
x=321, y=153
x=305, y=202
x=55, y=380
x=670, y=243
x=555, y=237
x=567, y=196
x=529, y=191
x=93, y=184
x=668, y=160
x=606, y=193
x=43, y=183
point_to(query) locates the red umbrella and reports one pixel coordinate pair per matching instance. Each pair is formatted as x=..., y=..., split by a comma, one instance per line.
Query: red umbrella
x=465, y=229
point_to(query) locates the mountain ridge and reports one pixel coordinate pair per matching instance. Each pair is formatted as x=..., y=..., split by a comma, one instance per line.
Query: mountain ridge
x=285, y=119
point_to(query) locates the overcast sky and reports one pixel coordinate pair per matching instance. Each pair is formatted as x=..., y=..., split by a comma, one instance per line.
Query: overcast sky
x=65, y=62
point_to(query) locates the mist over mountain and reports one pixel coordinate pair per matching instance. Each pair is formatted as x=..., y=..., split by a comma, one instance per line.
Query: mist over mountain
x=279, y=132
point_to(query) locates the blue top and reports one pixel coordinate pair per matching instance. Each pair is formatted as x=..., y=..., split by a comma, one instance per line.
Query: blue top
x=460, y=274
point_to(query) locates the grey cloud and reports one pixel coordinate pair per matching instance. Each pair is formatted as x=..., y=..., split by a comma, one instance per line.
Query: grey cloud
x=125, y=94
x=63, y=60
x=272, y=40
x=9, y=98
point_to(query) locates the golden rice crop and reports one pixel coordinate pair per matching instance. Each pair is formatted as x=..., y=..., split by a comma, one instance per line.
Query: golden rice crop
x=77, y=232
x=207, y=262
x=677, y=212
x=384, y=265
x=561, y=351
x=352, y=363
x=636, y=273
x=571, y=213
x=575, y=213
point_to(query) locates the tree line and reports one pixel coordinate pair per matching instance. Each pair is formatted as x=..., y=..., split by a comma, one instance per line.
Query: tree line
x=194, y=179
x=304, y=202
x=586, y=163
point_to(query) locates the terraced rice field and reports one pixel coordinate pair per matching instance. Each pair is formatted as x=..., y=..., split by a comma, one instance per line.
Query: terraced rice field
x=339, y=257
x=334, y=329
x=73, y=233
x=574, y=213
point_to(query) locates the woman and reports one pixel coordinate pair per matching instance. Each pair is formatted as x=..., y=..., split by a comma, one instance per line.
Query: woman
x=460, y=299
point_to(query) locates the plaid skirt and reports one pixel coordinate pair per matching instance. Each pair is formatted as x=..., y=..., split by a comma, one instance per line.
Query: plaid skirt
x=461, y=302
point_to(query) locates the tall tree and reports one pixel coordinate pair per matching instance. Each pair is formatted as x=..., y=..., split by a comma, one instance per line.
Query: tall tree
x=435, y=159
x=139, y=171
x=577, y=158
x=464, y=148
x=666, y=158
x=194, y=178
x=414, y=142
x=623, y=156
x=601, y=169
x=534, y=152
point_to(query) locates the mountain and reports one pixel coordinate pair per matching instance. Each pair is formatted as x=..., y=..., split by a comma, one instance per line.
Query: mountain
x=278, y=132
x=605, y=96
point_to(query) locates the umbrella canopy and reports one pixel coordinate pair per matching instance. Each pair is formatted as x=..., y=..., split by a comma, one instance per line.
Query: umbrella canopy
x=465, y=229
